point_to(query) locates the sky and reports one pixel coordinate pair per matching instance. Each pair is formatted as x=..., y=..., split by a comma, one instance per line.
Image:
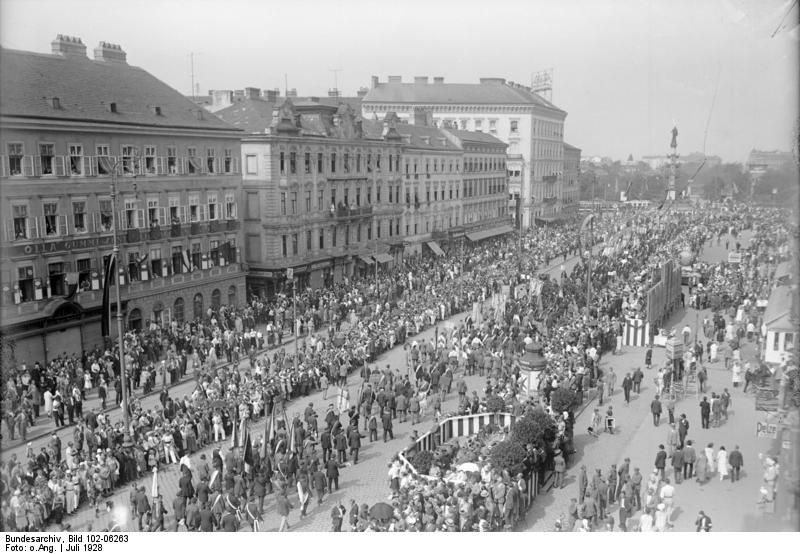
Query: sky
x=624, y=70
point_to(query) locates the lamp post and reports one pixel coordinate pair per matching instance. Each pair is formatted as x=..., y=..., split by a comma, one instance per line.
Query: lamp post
x=126, y=440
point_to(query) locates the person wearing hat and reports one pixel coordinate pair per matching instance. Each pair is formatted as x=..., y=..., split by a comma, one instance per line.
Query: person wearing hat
x=559, y=466
x=142, y=505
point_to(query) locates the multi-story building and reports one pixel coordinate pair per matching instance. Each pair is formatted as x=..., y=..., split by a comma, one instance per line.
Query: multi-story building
x=532, y=127
x=572, y=171
x=759, y=161
x=70, y=127
x=321, y=190
x=484, y=192
x=432, y=183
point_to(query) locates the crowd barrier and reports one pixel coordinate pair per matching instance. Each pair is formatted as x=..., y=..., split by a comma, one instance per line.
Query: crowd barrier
x=636, y=333
x=465, y=426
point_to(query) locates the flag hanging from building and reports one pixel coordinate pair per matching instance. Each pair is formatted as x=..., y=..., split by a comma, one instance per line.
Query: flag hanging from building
x=72, y=285
x=108, y=275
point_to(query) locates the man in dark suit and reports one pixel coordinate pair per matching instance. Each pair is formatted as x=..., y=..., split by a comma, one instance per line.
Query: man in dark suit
x=326, y=444
x=387, y=426
x=203, y=491
x=627, y=385
x=332, y=473
x=661, y=461
x=340, y=440
x=354, y=439
x=320, y=483
x=655, y=409
x=683, y=429
x=705, y=412
x=207, y=521
x=677, y=463
x=736, y=461
x=689, y=457
x=142, y=505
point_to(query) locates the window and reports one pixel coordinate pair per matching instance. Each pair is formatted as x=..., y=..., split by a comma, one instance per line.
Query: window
x=293, y=163
x=514, y=126
x=346, y=163
x=358, y=162
x=20, y=215
x=194, y=165
x=308, y=201
x=178, y=310
x=106, y=215
x=196, y=256
x=283, y=203
x=251, y=164
x=333, y=162
x=214, y=247
x=232, y=295
x=194, y=207
x=79, y=216
x=25, y=283
x=369, y=232
x=308, y=241
x=463, y=124
x=320, y=199
x=177, y=259
x=46, y=157
x=216, y=299
x=294, y=244
x=213, y=206
x=50, y=218
x=378, y=228
x=155, y=261
x=172, y=160
x=390, y=193
x=227, y=161
x=197, y=306
x=788, y=342
x=378, y=194
x=333, y=196
x=369, y=163
x=321, y=239
x=75, y=159
x=210, y=160
x=230, y=205
x=378, y=162
x=493, y=126
x=150, y=160
x=369, y=195
x=282, y=163
x=358, y=196
x=478, y=124
x=391, y=162
x=15, y=158
x=103, y=162
x=333, y=237
x=294, y=203
x=56, y=274
x=776, y=341
x=152, y=213
x=127, y=160
x=284, y=245
x=307, y=163
x=358, y=233
x=320, y=162
x=84, y=267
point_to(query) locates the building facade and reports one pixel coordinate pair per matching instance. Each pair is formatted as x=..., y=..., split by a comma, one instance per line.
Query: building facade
x=532, y=127
x=65, y=140
x=572, y=172
x=322, y=191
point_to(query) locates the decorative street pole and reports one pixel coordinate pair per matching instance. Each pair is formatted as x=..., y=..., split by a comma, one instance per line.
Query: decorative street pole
x=673, y=165
x=126, y=441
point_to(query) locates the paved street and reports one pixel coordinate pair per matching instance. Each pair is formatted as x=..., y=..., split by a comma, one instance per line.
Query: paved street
x=732, y=506
x=366, y=482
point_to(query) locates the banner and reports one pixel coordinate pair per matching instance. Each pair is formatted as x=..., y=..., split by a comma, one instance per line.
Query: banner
x=105, y=319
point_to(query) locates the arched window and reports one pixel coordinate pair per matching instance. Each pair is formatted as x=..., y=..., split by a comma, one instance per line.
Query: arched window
x=178, y=310
x=198, y=306
x=216, y=299
x=135, y=320
x=232, y=296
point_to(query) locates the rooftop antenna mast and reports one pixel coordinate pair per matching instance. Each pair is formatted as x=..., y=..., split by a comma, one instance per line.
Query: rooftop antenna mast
x=194, y=83
x=335, y=79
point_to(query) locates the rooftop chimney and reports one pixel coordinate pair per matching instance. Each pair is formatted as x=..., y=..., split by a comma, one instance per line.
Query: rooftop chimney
x=221, y=98
x=107, y=52
x=362, y=92
x=252, y=93
x=112, y=107
x=438, y=80
x=375, y=81
x=420, y=80
x=493, y=81
x=272, y=95
x=395, y=79
x=68, y=46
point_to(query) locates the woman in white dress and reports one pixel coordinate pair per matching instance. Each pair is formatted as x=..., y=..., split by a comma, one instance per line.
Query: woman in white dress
x=714, y=349
x=48, y=402
x=710, y=461
x=722, y=463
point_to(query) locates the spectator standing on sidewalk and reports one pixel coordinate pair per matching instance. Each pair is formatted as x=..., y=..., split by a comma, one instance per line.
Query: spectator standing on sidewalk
x=655, y=409
x=736, y=462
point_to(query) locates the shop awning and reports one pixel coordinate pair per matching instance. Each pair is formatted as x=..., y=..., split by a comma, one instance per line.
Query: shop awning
x=436, y=248
x=383, y=258
x=366, y=259
x=488, y=233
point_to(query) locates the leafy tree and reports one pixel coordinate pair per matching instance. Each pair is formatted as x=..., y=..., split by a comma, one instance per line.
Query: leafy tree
x=422, y=462
x=508, y=455
x=495, y=404
x=564, y=400
x=535, y=427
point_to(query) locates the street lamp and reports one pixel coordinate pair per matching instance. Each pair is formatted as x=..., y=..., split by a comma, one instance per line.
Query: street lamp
x=126, y=440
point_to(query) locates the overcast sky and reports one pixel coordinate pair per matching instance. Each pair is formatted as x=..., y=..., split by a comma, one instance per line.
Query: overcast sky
x=624, y=70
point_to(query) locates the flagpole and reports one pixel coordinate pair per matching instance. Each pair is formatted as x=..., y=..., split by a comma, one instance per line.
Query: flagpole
x=126, y=441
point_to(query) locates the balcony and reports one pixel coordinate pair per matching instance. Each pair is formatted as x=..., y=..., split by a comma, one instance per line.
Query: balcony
x=214, y=226
x=154, y=233
x=175, y=230
x=196, y=228
x=343, y=212
x=132, y=235
x=232, y=224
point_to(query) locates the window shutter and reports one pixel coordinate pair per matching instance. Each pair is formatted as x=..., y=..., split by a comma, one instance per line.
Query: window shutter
x=3, y=166
x=88, y=166
x=62, y=225
x=235, y=165
x=160, y=165
x=58, y=166
x=37, y=166
x=182, y=166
